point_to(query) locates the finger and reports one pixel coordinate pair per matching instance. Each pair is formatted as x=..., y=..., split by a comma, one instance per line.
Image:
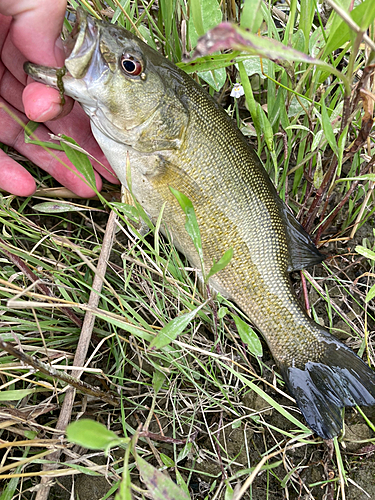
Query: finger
x=42, y=103
x=55, y=163
x=4, y=27
x=37, y=101
x=77, y=126
x=36, y=29
x=14, y=178
x=13, y=60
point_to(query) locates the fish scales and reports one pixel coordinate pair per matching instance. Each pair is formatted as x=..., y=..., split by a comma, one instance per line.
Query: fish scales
x=142, y=106
x=260, y=266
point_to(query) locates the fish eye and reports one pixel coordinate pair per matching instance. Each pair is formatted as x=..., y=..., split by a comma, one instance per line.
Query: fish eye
x=131, y=65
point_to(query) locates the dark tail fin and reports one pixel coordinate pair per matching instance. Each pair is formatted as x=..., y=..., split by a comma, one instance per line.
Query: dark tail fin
x=322, y=388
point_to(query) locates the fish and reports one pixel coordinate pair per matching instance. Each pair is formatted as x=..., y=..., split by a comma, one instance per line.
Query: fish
x=145, y=110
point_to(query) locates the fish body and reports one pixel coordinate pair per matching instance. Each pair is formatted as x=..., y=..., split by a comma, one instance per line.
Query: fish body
x=175, y=135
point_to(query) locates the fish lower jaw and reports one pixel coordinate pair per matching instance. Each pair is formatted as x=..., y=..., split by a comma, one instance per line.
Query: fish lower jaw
x=42, y=74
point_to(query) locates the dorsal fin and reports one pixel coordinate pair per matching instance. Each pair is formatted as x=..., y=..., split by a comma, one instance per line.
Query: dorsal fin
x=302, y=251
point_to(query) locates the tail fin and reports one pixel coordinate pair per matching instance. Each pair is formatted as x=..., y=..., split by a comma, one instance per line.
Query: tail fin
x=322, y=388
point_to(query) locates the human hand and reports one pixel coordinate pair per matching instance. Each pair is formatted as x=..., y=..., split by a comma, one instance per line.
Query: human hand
x=30, y=30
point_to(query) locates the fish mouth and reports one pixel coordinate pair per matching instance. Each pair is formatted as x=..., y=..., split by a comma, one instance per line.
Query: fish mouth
x=79, y=46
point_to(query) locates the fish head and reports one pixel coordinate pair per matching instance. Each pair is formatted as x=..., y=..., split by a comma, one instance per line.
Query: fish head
x=131, y=93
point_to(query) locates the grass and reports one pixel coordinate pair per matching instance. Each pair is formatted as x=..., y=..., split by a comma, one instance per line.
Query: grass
x=202, y=409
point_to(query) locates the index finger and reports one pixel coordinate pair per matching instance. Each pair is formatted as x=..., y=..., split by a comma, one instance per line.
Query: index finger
x=36, y=28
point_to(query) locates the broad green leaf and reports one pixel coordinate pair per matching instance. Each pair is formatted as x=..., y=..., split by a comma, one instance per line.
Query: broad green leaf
x=248, y=336
x=228, y=492
x=306, y=19
x=173, y=329
x=298, y=127
x=209, y=63
x=130, y=211
x=30, y=434
x=250, y=101
x=327, y=127
x=205, y=14
x=191, y=223
x=80, y=160
x=268, y=137
x=51, y=207
x=253, y=65
x=196, y=23
x=369, y=254
x=316, y=43
x=220, y=264
x=16, y=395
x=229, y=36
x=318, y=174
x=216, y=78
x=222, y=312
x=30, y=128
x=158, y=379
x=341, y=147
x=334, y=19
x=251, y=15
x=217, y=61
x=167, y=8
x=91, y=434
x=298, y=40
x=167, y=461
x=317, y=139
x=145, y=32
x=185, y=451
x=181, y=483
x=363, y=15
x=371, y=294
x=161, y=487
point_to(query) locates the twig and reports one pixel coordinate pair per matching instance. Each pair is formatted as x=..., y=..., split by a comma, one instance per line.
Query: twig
x=58, y=374
x=83, y=345
x=305, y=293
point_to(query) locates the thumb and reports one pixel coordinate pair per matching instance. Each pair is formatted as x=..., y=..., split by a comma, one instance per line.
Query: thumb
x=36, y=28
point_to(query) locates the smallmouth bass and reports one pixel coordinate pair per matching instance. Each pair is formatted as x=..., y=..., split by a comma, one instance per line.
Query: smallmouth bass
x=176, y=135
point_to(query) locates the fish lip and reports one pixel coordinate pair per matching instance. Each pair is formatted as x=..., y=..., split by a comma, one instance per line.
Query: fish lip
x=43, y=74
x=79, y=47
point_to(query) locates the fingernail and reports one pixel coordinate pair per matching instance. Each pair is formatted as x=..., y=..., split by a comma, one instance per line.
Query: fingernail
x=49, y=114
